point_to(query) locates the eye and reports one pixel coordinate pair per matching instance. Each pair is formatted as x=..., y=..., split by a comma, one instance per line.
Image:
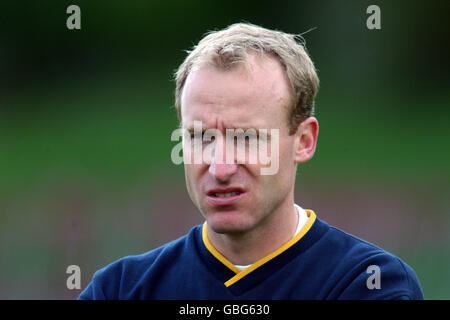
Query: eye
x=194, y=138
x=207, y=138
x=251, y=137
x=201, y=138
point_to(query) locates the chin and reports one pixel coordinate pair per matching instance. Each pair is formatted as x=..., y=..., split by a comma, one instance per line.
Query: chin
x=228, y=222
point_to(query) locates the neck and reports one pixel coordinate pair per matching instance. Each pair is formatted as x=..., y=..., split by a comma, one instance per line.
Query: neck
x=250, y=246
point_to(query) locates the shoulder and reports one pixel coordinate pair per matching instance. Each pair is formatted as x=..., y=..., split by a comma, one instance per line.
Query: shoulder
x=366, y=271
x=117, y=279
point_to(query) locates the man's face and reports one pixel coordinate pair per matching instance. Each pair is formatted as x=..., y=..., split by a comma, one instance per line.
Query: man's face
x=236, y=98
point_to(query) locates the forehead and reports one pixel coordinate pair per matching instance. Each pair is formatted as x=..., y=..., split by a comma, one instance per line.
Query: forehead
x=256, y=95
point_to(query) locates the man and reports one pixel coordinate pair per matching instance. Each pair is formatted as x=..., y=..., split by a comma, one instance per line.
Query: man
x=256, y=243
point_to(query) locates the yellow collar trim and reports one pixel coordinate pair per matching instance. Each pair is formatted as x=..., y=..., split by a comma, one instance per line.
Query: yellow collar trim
x=240, y=274
x=216, y=253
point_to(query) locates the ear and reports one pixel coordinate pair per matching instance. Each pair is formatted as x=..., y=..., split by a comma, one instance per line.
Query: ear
x=306, y=140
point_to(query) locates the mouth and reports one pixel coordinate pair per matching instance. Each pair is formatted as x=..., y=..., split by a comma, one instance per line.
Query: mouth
x=225, y=196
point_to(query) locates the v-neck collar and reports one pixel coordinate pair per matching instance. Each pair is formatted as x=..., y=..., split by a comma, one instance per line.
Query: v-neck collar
x=239, y=281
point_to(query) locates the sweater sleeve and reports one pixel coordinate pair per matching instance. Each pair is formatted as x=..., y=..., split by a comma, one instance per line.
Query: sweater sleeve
x=382, y=277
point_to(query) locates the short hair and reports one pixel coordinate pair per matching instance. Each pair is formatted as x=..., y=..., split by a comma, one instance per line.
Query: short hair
x=231, y=45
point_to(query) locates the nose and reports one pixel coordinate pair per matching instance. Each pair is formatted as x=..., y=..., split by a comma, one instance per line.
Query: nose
x=222, y=172
x=221, y=168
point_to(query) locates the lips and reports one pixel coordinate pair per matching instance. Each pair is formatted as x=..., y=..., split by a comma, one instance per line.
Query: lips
x=225, y=196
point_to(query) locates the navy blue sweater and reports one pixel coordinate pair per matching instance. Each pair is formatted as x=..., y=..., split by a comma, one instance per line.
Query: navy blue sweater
x=321, y=262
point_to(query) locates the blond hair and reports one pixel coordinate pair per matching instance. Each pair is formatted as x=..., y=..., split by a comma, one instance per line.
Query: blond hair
x=229, y=46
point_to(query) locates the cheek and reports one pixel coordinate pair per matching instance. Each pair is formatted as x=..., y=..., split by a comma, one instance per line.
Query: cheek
x=192, y=173
x=285, y=175
x=189, y=174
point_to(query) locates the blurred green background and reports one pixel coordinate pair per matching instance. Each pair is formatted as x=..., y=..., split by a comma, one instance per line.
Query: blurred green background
x=86, y=117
